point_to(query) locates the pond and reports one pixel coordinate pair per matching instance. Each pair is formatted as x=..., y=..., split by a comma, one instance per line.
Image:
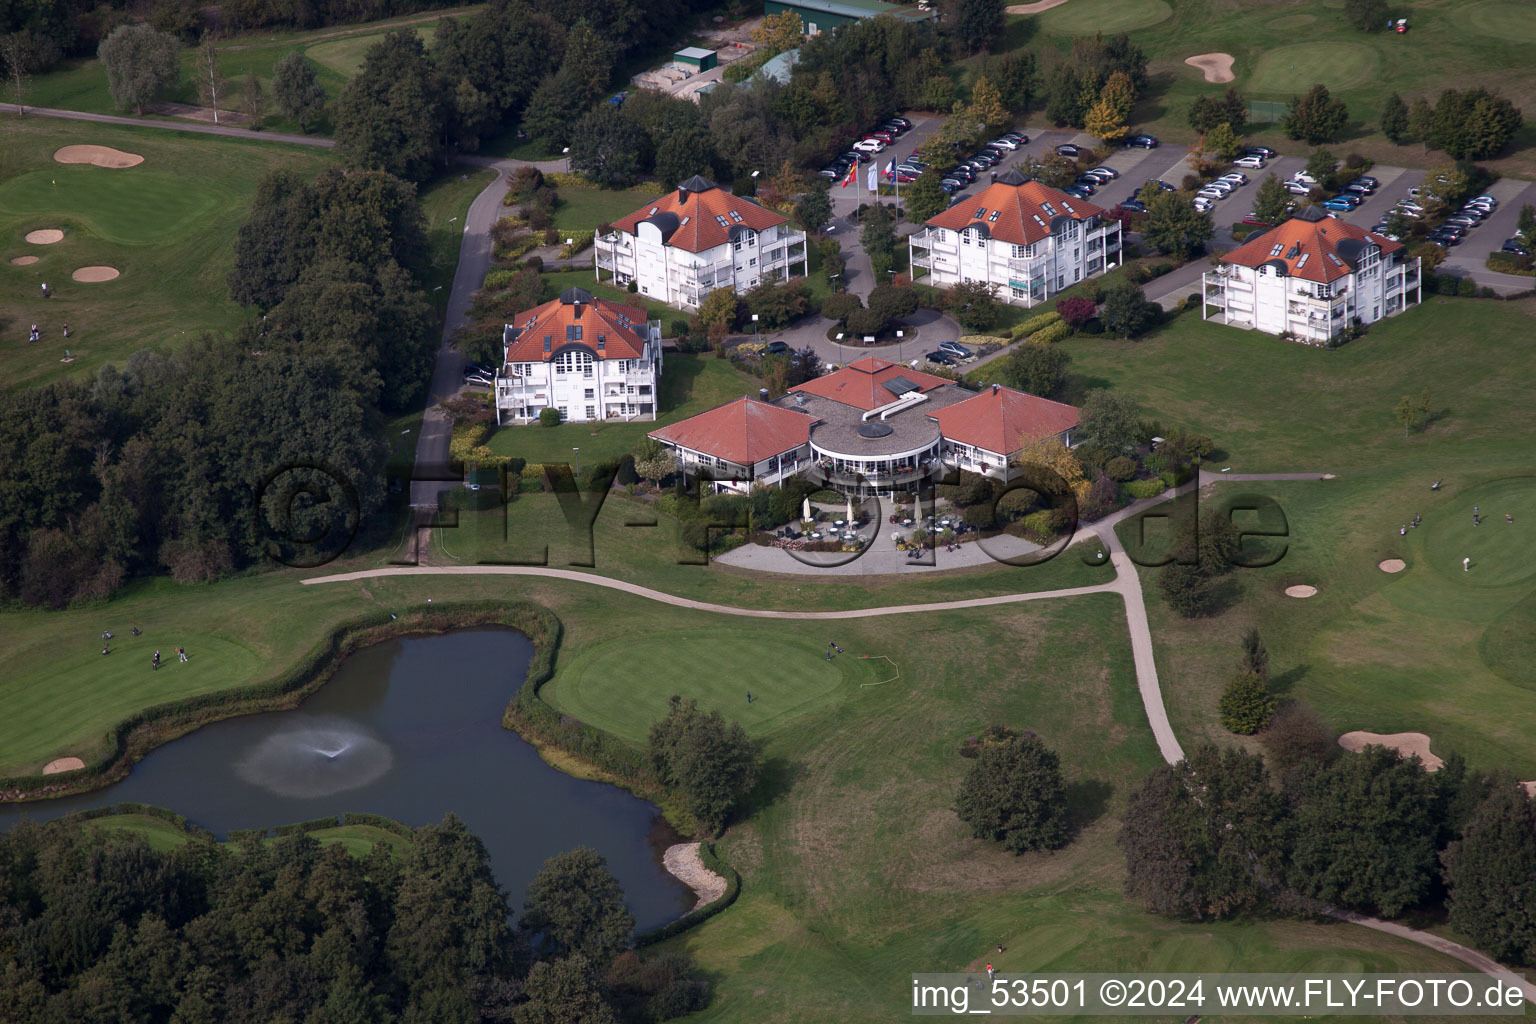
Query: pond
x=410, y=729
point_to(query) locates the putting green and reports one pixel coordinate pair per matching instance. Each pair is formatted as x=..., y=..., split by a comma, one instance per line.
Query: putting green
x=623, y=686
x=1298, y=67
x=1509, y=643
x=1502, y=553
x=132, y=207
x=1507, y=20
x=1084, y=17
x=345, y=56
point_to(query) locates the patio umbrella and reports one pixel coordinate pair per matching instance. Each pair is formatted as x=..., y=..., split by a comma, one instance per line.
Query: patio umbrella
x=805, y=509
x=850, y=510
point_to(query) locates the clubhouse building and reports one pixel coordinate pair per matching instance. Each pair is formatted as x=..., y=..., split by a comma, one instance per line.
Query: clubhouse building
x=695, y=239
x=589, y=358
x=1027, y=240
x=873, y=427
x=1311, y=278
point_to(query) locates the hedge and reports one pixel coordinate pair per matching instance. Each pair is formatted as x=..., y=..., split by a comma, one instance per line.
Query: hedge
x=1036, y=323
x=579, y=241
x=714, y=863
x=1055, y=332
x=466, y=439
x=299, y=828
x=377, y=821
x=1145, y=488
x=978, y=340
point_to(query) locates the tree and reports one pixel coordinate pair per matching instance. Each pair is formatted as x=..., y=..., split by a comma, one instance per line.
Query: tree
x=1110, y=419
x=1049, y=455
x=141, y=64
x=924, y=198
x=1255, y=654
x=878, y=236
x=1035, y=368
x=720, y=307
x=976, y=23
x=23, y=53
x=974, y=304
x=1527, y=224
x=1126, y=312
x=575, y=905
x=1174, y=227
x=1421, y=122
x=1188, y=591
x=609, y=147
x=1205, y=113
x=1295, y=736
x=839, y=305
x=1316, y=117
x=1492, y=888
x=296, y=89
x=1076, y=311
x=779, y=32
x=1475, y=124
x=892, y=302
x=1202, y=837
x=564, y=991
x=777, y=305
x=253, y=98
x=712, y=765
x=1394, y=119
x=1413, y=411
x=210, y=78
x=814, y=209
x=1104, y=122
x=1234, y=109
x=1366, y=15
x=388, y=114
x=1223, y=141
x=653, y=460
x=1246, y=705
x=1014, y=75
x=1272, y=203
x=1321, y=163
x=1013, y=793
x=987, y=106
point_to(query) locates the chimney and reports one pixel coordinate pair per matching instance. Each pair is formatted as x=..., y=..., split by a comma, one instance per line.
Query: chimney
x=762, y=394
x=577, y=312
x=994, y=389
x=682, y=195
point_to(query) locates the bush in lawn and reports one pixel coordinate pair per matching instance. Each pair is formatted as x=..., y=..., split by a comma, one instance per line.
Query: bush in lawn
x=1447, y=284
x=1246, y=705
x=1466, y=288
x=549, y=416
x=498, y=278
x=1145, y=488
x=1120, y=468
x=1013, y=792
x=711, y=765
x=1016, y=503
x=1076, y=310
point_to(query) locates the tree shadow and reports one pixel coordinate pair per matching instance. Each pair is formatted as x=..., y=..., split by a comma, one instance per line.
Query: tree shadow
x=1087, y=802
x=1017, y=32
x=778, y=776
x=1285, y=681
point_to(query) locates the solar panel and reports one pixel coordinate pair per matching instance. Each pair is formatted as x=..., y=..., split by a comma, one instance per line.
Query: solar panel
x=899, y=386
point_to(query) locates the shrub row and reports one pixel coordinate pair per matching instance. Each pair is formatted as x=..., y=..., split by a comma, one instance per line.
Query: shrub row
x=305, y=827
x=377, y=821
x=466, y=439
x=579, y=241
x=713, y=862
x=1036, y=323
x=1055, y=332
x=1145, y=488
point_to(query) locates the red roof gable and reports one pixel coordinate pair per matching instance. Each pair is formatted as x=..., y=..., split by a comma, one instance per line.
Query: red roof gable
x=1003, y=420
x=862, y=384
x=609, y=330
x=1017, y=213
x=1319, y=249
x=744, y=431
x=699, y=215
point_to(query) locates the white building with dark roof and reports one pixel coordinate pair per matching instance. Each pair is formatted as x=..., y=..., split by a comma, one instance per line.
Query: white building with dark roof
x=695, y=239
x=1311, y=278
x=1026, y=239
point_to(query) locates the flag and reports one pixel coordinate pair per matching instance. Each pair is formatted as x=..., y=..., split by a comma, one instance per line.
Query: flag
x=890, y=168
x=872, y=182
x=851, y=172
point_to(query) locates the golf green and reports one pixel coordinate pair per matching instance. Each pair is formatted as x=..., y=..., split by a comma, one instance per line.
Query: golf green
x=623, y=686
x=1511, y=21
x=1298, y=67
x=131, y=207
x=1502, y=552
x=1083, y=17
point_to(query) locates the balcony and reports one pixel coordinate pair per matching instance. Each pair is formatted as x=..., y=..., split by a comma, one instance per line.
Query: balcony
x=922, y=261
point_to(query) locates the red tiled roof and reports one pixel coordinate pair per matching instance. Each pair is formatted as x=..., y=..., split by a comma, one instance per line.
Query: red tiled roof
x=862, y=384
x=699, y=215
x=1019, y=214
x=609, y=330
x=744, y=431
x=1003, y=420
x=1310, y=248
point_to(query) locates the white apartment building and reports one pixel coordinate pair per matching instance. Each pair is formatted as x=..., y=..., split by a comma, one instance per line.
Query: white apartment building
x=1311, y=277
x=1027, y=240
x=588, y=358
x=698, y=238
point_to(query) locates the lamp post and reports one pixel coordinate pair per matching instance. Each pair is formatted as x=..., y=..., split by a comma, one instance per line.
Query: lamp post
x=566, y=152
x=754, y=181
x=899, y=336
x=754, y=328
x=839, y=348
x=577, y=452
x=832, y=281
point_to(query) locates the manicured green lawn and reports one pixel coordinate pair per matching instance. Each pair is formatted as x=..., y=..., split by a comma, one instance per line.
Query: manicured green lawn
x=583, y=209
x=344, y=56
x=557, y=281
x=690, y=384
x=358, y=840
x=445, y=200
x=162, y=835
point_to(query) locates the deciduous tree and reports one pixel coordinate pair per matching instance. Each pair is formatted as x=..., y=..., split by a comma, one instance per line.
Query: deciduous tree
x=1174, y=227
x=1493, y=889
x=1366, y=15
x=210, y=77
x=712, y=765
x=388, y=115
x=141, y=64
x=576, y=906
x=1272, y=201
x=987, y=106
x=609, y=147
x=1014, y=793
x=1394, y=119
x=1126, y=312
x=296, y=90
x=1246, y=705
x=924, y=198
x=1315, y=117
x=973, y=304
x=779, y=32
x=1036, y=368
x=976, y=24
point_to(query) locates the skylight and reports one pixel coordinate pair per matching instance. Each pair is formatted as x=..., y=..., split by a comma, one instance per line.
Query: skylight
x=653, y=211
x=1336, y=261
x=735, y=216
x=1303, y=261
x=993, y=219
x=722, y=220
x=1278, y=249
x=1036, y=216
x=980, y=212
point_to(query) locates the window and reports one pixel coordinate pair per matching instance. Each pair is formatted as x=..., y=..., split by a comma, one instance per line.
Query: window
x=574, y=361
x=588, y=394
x=752, y=262
x=1019, y=252
x=591, y=411
x=965, y=236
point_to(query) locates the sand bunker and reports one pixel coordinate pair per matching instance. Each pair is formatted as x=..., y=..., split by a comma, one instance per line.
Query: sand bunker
x=1530, y=787
x=1392, y=565
x=101, y=156
x=1300, y=590
x=1404, y=743
x=90, y=275
x=683, y=862
x=63, y=764
x=1035, y=8
x=24, y=261
x=45, y=236
x=1217, y=67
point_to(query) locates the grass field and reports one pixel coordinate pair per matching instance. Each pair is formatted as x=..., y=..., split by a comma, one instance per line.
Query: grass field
x=1283, y=47
x=583, y=209
x=160, y=834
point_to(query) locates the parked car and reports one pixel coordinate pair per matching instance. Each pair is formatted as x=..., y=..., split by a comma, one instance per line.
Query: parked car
x=1087, y=181
x=1067, y=149
x=1354, y=188
x=1211, y=193
x=1408, y=205
x=1003, y=142
x=831, y=173
x=940, y=357
x=869, y=146
x=1142, y=141
x=1515, y=247
x=479, y=368
x=1479, y=213
x=856, y=156
x=905, y=177
x=1235, y=177
x=776, y=348
x=1484, y=200
x=951, y=184
x=1450, y=229
x=1224, y=187
x=479, y=380
x=964, y=173
x=1304, y=178
x=1253, y=163
x=988, y=159
x=1366, y=179
x=1204, y=205
x=1018, y=137
x=897, y=127
x=1134, y=205
x=901, y=121
x=1444, y=239
x=1098, y=176
x=1261, y=151
x=1254, y=220
x=1462, y=221
x=1410, y=214
x=955, y=349
x=1295, y=188
x=1105, y=169
x=886, y=137
x=1337, y=204
x=1079, y=191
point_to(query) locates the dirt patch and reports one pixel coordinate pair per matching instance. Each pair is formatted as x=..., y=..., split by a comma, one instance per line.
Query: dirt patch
x=1301, y=590
x=683, y=862
x=63, y=764
x=1035, y=8
x=188, y=112
x=91, y=275
x=1217, y=67
x=100, y=156
x=1530, y=788
x=1392, y=565
x=45, y=236
x=24, y=261
x=1405, y=743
